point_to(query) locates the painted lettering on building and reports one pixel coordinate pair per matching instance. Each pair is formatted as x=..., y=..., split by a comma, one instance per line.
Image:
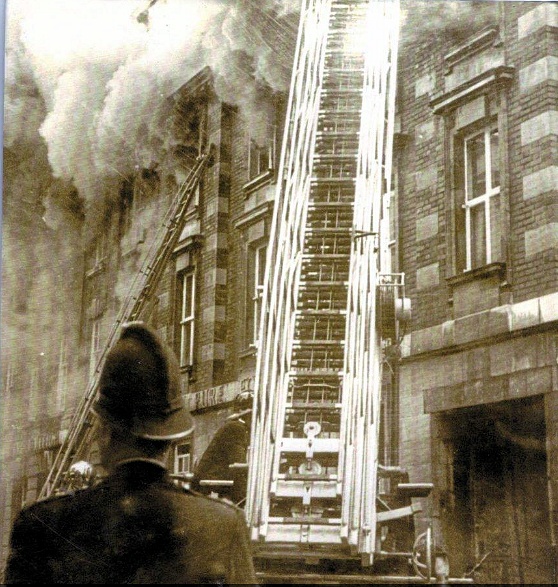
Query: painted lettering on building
x=222, y=394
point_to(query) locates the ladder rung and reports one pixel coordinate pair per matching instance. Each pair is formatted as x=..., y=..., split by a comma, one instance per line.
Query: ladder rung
x=316, y=342
x=320, y=312
x=337, y=134
x=309, y=534
x=313, y=406
x=326, y=180
x=320, y=489
x=305, y=520
x=304, y=284
x=403, y=512
x=301, y=477
x=316, y=373
x=315, y=205
x=330, y=71
x=327, y=445
x=324, y=256
x=334, y=230
x=335, y=156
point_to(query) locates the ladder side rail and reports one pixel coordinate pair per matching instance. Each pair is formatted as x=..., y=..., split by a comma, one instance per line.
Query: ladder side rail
x=374, y=94
x=351, y=428
x=277, y=302
x=300, y=190
x=258, y=429
x=82, y=412
x=363, y=343
x=389, y=14
x=296, y=220
x=381, y=170
x=293, y=223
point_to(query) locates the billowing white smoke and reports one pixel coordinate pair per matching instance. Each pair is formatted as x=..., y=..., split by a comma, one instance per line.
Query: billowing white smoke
x=84, y=84
x=101, y=72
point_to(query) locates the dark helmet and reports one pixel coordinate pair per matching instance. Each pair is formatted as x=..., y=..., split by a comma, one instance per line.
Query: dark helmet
x=139, y=387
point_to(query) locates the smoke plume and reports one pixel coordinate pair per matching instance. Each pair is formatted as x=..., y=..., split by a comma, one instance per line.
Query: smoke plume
x=85, y=89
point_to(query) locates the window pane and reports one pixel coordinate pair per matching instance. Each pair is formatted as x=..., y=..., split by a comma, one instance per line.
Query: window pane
x=478, y=236
x=186, y=343
x=186, y=314
x=495, y=229
x=254, y=287
x=182, y=458
x=250, y=279
x=261, y=252
x=189, y=295
x=476, y=168
x=495, y=158
x=254, y=159
x=264, y=159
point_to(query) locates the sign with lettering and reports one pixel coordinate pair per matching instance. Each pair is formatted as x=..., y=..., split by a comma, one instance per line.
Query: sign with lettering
x=222, y=394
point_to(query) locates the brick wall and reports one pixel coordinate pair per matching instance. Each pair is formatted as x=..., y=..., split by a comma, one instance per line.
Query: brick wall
x=529, y=36
x=532, y=47
x=422, y=216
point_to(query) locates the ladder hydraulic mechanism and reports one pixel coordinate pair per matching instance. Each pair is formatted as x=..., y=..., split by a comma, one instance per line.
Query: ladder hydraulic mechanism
x=313, y=461
x=135, y=306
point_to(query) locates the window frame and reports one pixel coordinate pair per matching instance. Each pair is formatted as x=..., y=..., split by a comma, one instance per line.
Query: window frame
x=95, y=346
x=179, y=459
x=256, y=150
x=256, y=257
x=483, y=199
x=96, y=256
x=186, y=319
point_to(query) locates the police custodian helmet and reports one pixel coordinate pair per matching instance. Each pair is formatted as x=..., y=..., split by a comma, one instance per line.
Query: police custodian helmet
x=139, y=387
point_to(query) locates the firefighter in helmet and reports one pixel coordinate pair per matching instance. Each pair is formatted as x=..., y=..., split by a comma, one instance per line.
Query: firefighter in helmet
x=136, y=525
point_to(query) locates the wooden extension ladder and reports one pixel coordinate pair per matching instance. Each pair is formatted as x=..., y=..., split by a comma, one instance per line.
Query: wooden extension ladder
x=135, y=307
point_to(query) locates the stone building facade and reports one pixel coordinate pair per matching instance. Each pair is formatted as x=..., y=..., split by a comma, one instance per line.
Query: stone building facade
x=478, y=372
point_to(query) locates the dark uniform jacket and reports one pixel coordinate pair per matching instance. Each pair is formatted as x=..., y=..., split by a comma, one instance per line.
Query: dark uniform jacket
x=134, y=527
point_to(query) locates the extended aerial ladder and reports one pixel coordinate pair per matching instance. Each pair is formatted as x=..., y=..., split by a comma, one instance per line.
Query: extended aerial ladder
x=136, y=306
x=330, y=303
x=314, y=453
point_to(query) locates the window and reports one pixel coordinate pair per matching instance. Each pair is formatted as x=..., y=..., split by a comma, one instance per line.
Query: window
x=261, y=154
x=95, y=346
x=62, y=381
x=187, y=305
x=182, y=458
x=478, y=219
x=255, y=284
x=96, y=255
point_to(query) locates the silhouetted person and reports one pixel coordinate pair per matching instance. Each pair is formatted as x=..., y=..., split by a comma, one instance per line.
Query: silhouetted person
x=228, y=446
x=135, y=526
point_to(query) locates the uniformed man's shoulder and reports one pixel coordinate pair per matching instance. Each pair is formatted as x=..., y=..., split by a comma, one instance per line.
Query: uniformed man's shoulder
x=56, y=500
x=47, y=508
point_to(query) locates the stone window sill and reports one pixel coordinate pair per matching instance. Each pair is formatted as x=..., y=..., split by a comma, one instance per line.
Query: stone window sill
x=258, y=181
x=248, y=352
x=497, y=269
